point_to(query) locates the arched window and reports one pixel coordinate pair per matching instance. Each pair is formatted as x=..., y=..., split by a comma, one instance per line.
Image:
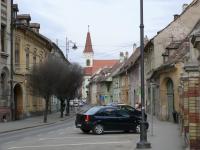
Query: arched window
x=3, y=34
x=88, y=62
x=34, y=57
x=27, y=58
x=3, y=81
x=17, y=53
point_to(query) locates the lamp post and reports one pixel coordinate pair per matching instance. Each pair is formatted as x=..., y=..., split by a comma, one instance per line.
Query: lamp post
x=68, y=42
x=143, y=132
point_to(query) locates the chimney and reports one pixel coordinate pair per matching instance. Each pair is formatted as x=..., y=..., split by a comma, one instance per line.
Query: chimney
x=35, y=27
x=126, y=55
x=134, y=47
x=184, y=7
x=176, y=16
x=146, y=39
x=24, y=19
x=121, y=57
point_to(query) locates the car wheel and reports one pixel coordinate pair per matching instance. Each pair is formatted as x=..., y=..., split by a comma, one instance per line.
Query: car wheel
x=98, y=129
x=137, y=128
x=85, y=131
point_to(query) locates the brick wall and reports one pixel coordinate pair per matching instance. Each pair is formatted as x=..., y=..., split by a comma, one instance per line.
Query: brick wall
x=191, y=110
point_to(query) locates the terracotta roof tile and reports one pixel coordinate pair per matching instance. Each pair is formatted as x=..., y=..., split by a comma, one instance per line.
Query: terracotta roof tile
x=99, y=64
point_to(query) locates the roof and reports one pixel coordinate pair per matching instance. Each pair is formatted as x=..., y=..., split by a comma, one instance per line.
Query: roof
x=186, y=9
x=87, y=71
x=101, y=76
x=88, y=44
x=159, y=32
x=174, y=45
x=179, y=56
x=180, y=52
x=98, y=64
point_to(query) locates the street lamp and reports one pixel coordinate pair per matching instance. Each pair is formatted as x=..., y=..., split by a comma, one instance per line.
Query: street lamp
x=143, y=132
x=68, y=42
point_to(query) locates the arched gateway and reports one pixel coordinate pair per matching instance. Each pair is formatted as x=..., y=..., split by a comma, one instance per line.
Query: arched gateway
x=18, y=99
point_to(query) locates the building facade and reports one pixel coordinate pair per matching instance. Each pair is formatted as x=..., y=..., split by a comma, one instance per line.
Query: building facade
x=5, y=60
x=31, y=48
x=177, y=30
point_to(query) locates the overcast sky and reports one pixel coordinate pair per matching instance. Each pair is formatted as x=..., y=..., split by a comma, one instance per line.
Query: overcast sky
x=114, y=24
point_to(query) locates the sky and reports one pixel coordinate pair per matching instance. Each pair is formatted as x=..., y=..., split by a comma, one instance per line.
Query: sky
x=114, y=24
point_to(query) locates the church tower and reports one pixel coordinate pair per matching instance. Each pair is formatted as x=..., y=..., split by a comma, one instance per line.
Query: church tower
x=88, y=51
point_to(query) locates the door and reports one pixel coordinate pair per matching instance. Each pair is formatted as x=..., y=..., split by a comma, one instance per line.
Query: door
x=124, y=122
x=170, y=99
x=108, y=118
x=18, y=102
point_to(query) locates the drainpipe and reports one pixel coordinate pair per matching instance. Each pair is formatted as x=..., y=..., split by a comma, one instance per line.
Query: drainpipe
x=11, y=62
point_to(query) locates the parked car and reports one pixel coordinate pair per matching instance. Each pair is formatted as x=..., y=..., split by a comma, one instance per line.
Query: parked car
x=107, y=118
x=128, y=108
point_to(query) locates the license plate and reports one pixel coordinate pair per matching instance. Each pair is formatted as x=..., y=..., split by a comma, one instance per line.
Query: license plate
x=78, y=125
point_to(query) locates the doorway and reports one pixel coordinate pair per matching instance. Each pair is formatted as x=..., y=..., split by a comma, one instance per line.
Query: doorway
x=18, y=99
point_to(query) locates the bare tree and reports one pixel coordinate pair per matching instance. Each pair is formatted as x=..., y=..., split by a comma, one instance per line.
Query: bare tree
x=75, y=78
x=42, y=80
x=68, y=84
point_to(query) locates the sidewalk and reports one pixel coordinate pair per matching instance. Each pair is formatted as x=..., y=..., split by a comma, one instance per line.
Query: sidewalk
x=35, y=121
x=166, y=135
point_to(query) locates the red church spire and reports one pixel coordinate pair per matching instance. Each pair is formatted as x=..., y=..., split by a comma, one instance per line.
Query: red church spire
x=88, y=44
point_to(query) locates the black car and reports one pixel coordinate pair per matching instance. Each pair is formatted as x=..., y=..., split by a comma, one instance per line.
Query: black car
x=107, y=118
x=137, y=113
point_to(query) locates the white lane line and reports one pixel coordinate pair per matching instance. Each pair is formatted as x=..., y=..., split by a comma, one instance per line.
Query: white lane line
x=10, y=142
x=84, y=137
x=80, y=144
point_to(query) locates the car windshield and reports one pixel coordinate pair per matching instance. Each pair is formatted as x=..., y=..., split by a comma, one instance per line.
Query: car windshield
x=92, y=110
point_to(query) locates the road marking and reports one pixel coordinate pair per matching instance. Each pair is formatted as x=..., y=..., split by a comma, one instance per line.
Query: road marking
x=84, y=137
x=80, y=144
x=10, y=142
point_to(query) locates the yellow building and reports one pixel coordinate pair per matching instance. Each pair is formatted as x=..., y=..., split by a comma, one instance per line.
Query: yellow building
x=164, y=82
x=30, y=48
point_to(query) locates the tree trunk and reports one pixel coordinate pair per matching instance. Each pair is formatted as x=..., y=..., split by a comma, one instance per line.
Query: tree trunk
x=62, y=107
x=67, y=108
x=46, y=109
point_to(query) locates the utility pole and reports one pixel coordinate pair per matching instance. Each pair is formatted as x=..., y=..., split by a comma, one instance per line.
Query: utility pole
x=143, y=132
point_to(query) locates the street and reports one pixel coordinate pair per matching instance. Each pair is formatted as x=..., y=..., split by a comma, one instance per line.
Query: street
x=64, y=136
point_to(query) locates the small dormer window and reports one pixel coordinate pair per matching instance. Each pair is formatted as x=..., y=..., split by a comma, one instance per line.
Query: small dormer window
x=88, y=62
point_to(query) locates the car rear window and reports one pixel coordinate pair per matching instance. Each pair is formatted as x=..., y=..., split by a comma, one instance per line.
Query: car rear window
x=92, y=110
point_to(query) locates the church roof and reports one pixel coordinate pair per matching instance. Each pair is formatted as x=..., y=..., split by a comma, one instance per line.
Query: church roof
x=88, y=44
x=99, y=64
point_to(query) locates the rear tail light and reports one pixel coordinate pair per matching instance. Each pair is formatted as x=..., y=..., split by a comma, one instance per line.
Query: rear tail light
x=87, y=118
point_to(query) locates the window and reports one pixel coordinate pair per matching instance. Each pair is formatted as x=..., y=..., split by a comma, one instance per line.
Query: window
x=34, y=56
x=27, y=60
x=3, y=28
x=88, y=62
x=122, y=113
x=92, y=111
x=3, y=81
x=34, y=59
x=110, y=112
x=17, y=55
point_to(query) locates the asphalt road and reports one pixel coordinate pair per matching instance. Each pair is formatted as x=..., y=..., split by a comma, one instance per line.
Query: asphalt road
x=64, y=136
